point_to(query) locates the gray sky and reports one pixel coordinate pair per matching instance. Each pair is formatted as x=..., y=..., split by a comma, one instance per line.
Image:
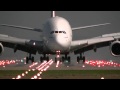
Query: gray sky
x=76, y=19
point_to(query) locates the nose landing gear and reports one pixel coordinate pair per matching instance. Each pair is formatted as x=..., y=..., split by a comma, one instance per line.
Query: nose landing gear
x=63, y=59
x=57, y=58
x=66, y=59
x=44, y=58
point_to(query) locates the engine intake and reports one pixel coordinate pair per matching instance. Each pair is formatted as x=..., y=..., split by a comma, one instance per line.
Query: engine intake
x=115, y=48
x=1, y=48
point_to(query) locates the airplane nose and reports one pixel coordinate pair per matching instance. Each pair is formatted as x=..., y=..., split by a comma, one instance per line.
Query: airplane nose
x=59, y=43
x=62, y=41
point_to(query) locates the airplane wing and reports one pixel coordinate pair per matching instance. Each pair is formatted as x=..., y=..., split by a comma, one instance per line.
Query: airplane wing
x=80, y=46
x=77, y=28
x=21, y=27
x=20, y=44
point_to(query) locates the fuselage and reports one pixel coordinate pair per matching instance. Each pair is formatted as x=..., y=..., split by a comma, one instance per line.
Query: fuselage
x=57, y=34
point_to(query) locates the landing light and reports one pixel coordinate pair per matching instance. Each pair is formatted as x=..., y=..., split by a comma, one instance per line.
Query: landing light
x=34, y=43
x=39, y=78
x=23, y=74
x=83, y=66
x=33, y=69
x=102, y=77
x=32, y=78
x=18, y=77
x=26, y=72
x=21, y=60
x=38, y=74
x=35, y=77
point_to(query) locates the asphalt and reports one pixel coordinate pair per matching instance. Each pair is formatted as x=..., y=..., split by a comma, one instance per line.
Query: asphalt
x=18, y=65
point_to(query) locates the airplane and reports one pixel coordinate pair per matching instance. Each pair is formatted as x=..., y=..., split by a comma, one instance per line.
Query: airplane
x=57, y=40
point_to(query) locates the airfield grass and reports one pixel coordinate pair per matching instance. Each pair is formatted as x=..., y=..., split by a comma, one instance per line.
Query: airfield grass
x=63, y=74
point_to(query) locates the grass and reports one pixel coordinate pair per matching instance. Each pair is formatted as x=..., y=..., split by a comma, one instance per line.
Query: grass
x=64, y=74
x=81, y=74
x=9, y=74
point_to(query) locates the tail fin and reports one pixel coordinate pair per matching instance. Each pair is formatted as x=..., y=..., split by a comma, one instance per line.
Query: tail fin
x=52, y=13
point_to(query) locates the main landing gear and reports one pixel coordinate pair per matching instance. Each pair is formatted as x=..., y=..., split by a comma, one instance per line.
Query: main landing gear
x=81, y=58
x=29, y=58
x=44, y=58
x=66, y=59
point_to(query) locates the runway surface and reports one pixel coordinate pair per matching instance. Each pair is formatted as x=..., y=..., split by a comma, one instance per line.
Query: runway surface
x=89, y=65
x=51, y=65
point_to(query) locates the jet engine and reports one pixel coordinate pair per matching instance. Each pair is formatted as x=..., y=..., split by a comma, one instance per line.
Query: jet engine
x=115, y=48
x=1, y=48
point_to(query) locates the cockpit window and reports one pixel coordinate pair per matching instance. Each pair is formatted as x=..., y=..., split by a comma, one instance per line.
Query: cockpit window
x=60, y=31
x=52, y=32
x=57, y=32
x=64, y=32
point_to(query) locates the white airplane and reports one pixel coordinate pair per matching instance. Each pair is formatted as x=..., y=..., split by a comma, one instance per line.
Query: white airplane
x=57, y=40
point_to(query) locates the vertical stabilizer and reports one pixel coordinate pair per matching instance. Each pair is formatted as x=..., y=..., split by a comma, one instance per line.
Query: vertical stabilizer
x=53, y=14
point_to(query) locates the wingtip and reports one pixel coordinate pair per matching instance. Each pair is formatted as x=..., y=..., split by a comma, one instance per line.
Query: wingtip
x=107, y=23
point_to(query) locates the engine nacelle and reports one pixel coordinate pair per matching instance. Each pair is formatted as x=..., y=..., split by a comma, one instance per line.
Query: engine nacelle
x=115, y=48
x=1, y=48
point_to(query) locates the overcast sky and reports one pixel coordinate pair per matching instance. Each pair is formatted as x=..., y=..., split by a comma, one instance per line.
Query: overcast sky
x=35, y=19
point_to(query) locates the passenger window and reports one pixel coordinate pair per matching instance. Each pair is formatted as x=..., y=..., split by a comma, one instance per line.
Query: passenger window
x=56, y=31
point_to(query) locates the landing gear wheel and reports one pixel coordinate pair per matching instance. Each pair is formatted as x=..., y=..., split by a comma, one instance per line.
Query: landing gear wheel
x=47, y=58
x=41, y=59
x=44, y=58
x=63, y=59
x=78, y=59
x=27, y=59
x=55, y=60
x=32, y=59
x=83, y=59
x=69, y=59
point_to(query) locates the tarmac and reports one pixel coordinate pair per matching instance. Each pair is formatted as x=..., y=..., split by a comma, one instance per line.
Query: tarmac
x=18, y=65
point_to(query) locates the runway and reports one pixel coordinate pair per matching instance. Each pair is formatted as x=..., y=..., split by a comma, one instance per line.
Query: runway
x=40, y=68
x=18, y=65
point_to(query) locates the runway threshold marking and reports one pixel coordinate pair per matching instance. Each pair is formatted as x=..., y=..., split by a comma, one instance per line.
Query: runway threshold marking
x=43, y=67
